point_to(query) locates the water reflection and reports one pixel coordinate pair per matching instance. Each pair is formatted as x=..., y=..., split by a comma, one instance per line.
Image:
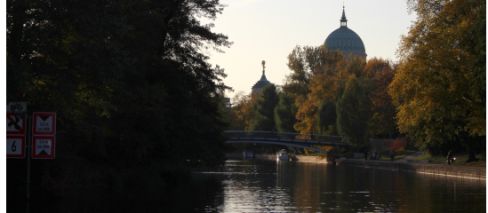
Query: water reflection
x=267, y=186
x=254, y=190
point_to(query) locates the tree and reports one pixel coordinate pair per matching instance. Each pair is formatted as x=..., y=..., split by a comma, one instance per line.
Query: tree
x=382, y=123
x=323, y=68
x=241, y=111
x=297, y=82
x=262, y=117
x=327, y=118
x=439, y=88
x=124, y=78
x=353, y=112
x=284, y=113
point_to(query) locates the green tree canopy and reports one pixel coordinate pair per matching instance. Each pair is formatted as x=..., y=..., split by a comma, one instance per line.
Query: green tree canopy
x=354, y=112
x=262, y=117
x=284, y=113
x=327, y=118
x=130, y=85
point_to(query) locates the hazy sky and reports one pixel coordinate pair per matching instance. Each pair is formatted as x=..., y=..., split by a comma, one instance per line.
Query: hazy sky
x=270, y=29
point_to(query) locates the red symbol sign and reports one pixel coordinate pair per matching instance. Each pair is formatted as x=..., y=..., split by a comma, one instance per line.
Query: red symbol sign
x=44, y=123
x=43, y=147
x=15, y=124
x=15, y=146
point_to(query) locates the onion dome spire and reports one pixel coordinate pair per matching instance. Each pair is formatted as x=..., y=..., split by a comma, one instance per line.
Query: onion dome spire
x=343, y=18
x=263, y=82
x=263, y=76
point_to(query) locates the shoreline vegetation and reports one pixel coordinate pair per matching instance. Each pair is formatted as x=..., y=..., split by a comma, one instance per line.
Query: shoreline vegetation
x=137, y=102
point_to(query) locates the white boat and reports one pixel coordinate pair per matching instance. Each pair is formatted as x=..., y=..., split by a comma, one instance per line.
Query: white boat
x=283, y=156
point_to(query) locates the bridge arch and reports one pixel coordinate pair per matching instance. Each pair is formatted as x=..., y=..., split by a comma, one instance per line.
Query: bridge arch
x=286, y=139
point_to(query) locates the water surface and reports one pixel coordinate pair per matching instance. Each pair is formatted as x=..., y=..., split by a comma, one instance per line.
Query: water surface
x=267, y=186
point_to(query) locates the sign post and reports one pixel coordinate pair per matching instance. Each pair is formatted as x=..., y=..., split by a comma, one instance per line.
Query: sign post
x=28, y=166
x=17, y=128
x=30, y=139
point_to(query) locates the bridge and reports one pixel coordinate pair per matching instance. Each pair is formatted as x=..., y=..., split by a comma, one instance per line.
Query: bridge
x=313, y=142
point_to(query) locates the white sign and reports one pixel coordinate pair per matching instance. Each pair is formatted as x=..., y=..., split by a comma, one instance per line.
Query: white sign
x=17, y=107
x=15, y=146
x=43, y=147
x=44, y=123
x=15, y=124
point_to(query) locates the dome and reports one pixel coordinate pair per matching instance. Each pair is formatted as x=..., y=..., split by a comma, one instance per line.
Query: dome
x=263, y=82
x=345, y=40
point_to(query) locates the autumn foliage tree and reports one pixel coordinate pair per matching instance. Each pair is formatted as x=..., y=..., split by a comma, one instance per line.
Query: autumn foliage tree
x=439, y=88
x=341, y=95
x=319, y=68
x=380, y=74
x=241, y=112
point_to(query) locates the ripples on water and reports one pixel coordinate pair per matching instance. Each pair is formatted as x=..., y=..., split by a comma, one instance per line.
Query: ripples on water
x=267, y=186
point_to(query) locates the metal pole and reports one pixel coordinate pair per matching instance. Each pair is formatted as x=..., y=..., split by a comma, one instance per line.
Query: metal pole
x=28, y=160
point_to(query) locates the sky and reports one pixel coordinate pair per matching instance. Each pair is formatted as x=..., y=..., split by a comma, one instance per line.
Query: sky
x=270, y=29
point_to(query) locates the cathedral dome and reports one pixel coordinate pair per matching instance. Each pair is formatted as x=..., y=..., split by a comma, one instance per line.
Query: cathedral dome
x=345, y=40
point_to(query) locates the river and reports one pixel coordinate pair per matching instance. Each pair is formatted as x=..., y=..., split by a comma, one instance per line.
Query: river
x=267, y=186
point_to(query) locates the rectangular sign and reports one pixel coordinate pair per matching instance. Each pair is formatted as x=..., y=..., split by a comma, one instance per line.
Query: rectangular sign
x=43, y=147
x=17, y=107
x=44, y=123
x=15, y=146
x=15, y=124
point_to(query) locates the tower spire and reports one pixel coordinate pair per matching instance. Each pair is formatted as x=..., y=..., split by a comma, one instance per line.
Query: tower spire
x=343, y=18
x=264, y=66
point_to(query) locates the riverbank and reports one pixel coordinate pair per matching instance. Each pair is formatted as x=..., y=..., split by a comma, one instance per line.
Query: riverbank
x=455, y=171
x=465, y=172
x=300, y=158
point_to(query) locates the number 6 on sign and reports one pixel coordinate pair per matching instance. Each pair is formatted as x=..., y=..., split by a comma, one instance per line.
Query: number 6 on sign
x=15, y=146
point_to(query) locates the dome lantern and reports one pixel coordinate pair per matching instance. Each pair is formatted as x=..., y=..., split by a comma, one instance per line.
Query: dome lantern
x=343, y=18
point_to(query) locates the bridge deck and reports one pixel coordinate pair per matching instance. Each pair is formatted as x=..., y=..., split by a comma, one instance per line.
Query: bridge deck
x=290, y=139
